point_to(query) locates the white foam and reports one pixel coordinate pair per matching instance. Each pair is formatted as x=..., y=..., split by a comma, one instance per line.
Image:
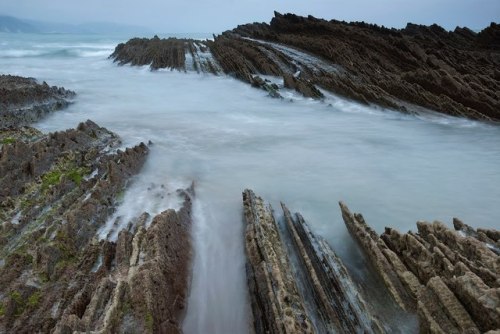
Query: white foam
x=227, y=136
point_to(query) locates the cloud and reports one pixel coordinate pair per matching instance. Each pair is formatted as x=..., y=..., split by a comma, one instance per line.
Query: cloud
x=217, y=16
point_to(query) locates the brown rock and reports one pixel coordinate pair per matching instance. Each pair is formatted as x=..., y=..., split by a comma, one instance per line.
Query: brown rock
x=24, y=101
x=401, y=283
x=455, y=276
x=341, y=306
x=276, y=303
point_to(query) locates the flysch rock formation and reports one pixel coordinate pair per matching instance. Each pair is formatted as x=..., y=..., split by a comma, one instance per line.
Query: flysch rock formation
x=173, y=53
x=450, y=279
x=55, y=273
x=412, y=69
x=341, y=306
x=24, y=101
x=56, y=191
x=278, y=304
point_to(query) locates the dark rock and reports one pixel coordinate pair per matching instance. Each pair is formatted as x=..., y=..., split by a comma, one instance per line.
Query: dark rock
x=24, y=101
x=166, y=53
x=146, y=293
x=56, y=276
x=454, y=73
x=306, y=88
x=426, y=66
x=341, y=307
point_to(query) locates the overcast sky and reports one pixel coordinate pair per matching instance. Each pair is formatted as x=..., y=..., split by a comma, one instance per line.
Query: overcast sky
x=218, y=15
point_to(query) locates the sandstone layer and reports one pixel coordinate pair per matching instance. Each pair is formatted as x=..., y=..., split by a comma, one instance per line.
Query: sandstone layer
x=413, y=69
x=450, y=279
x=279, y=304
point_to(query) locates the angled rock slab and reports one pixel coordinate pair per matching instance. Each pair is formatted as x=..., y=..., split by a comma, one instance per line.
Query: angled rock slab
x=276, y=303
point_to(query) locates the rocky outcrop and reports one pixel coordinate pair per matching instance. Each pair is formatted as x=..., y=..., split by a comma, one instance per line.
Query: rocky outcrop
x=401, y=283
x=172, y=53
x=24, y=101
x=143, y=287
x=411, y=69
x=451, y=279
x=57, y=190
x=341, y=307
x=328, y=300
x=489, y=236
x=455, y=73
x=276, y=303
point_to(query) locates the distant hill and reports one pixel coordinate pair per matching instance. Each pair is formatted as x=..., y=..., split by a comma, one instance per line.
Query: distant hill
x=11, y=24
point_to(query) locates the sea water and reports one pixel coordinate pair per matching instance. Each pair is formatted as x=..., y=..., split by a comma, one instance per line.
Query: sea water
x=227, y=136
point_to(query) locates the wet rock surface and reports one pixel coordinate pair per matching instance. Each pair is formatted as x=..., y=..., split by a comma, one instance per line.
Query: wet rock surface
x=455, y=73
x=276, y=303
x=279, y=304
x=450, y=279
x=57, y=190
x=142, y=283
x=412, y=69
x=24, y=100
x=171, y=53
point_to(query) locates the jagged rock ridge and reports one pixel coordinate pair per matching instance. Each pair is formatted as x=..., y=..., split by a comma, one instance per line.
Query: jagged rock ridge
x=455, y=73
x=56, y=191
x=278, y=305
x=450, y=280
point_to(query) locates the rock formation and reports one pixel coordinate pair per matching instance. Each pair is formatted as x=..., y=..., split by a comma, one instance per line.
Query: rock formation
x=55, y=274
x=455, y=73
x=451, y=280
x=173, y=53
x=56, y=191
x=23, y=100
x=278, y=304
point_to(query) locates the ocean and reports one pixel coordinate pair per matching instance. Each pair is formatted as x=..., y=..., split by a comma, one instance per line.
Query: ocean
x=226, y=136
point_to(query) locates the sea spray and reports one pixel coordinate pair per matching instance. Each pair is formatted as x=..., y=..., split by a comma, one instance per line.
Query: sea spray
x=227, y=136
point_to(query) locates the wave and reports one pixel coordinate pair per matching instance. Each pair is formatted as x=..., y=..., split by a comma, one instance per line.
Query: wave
x=70, y=52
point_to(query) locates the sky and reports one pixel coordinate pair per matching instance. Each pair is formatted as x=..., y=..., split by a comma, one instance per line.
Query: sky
x=215, y=16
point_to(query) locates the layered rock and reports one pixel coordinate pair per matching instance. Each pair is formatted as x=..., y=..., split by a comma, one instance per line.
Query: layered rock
x=451, y=279
x=455, y=73
x=276, y=303
x=172, y=53
x=142, y=284
x=57, y=190
x=281, y=302
x=489, y=236
x=411, y=69
x=341, y=306
x=23, y=100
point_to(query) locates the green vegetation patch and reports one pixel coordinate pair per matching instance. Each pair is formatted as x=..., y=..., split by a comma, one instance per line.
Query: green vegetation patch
x=34, y=299
x=51, y=178
x=8, y=140
x=2, y=309
x=19, y=256
x=19, y=301
x=54, y=177
x=149, y=322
